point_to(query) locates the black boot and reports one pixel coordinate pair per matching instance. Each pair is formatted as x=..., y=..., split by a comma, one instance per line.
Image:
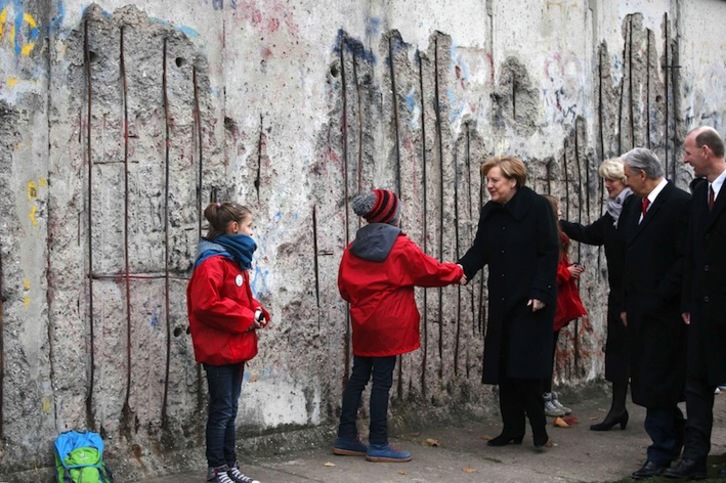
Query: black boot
x=618, y=414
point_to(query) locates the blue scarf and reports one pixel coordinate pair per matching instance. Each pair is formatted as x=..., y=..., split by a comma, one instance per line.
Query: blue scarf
x=237, y=247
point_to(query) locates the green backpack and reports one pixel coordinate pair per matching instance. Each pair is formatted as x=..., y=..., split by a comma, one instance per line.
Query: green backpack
x=79, y=458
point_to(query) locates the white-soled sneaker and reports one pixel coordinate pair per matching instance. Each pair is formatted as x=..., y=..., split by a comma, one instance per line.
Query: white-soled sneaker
x=219, y=474
x=237, y=476
x=556, y=402
x=549, y=406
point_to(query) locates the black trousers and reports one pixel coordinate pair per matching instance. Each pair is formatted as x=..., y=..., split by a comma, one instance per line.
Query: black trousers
x=699, y=406
x=519, y=398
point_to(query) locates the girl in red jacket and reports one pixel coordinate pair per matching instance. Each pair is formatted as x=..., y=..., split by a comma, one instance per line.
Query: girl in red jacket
x=377, y=276
x=224, y=317
x=569, y=308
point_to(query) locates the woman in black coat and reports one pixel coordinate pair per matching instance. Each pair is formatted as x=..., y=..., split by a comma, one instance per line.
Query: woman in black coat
x=517, y=238
x=604, y=232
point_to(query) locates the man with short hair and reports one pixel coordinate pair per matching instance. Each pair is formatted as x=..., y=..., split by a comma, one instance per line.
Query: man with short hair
x=654, y=224
x=704, y=307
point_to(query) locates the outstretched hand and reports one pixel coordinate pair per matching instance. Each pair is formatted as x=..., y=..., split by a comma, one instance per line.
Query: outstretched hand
x=462, y=280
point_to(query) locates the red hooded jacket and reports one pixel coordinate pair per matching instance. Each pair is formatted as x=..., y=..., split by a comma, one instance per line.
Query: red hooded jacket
x=377, y=276
x=569, y=304
x=222, y=312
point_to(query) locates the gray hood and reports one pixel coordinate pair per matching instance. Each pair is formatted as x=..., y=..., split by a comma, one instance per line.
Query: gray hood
x=374, y=241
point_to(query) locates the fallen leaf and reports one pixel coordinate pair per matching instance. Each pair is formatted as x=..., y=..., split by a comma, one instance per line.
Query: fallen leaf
x=469, y=469
x=413, y=435
x=594, y=418
x=431, y=442
x=560, y=423
x=402, y=473
x=486, y=437
x=571, y=420
x=329, y=464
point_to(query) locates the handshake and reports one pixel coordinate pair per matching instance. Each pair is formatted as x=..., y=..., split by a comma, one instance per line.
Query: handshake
x=462, y=280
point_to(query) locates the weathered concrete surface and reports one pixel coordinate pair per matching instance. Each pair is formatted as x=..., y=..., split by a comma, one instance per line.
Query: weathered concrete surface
x=120, y=121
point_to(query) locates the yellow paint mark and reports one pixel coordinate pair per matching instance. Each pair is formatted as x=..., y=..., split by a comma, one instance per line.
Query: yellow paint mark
x=32, y=190
x=46, y=405
x=42, y=182
x=26, y=284
x=27, y=49
x=27, y=18
x=26, y=302
x=11, y=81
x=33, y=211
x=3, y=18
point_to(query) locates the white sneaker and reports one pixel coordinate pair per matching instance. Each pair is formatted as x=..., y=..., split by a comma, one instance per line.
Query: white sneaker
x=549, y=406
x=237, y=476
x=556, y=402
x=717, y=390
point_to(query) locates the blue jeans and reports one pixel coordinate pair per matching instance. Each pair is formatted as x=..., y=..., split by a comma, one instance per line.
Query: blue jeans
x=363, y=367
x=225, y=386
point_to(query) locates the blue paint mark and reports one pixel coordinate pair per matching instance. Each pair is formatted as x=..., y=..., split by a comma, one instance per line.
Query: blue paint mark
x=456, y=111
x=218, y=4
x=58, y=18
x=373, y=26
x=354, y=47
x=188, y=31
x=154, y=321
x=258, y=283
x=411, y=101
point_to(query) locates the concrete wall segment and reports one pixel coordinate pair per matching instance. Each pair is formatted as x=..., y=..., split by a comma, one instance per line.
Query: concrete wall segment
x=292, y=107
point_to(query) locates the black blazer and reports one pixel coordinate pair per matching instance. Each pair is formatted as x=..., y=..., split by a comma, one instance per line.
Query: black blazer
x=652, y=283
x=704, y=286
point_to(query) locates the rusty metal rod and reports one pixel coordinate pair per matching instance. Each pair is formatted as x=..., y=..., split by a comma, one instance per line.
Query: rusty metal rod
x=127, y=284
x=395, y=114
x=424, y=221
x=167, y=290
x=90, y=418
x=344, y=134
x=439, y=137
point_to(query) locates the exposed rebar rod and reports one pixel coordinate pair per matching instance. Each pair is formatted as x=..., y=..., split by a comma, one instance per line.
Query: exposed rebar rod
x=395, y=114
x=127, y=283
x=424, y=223
x=439, y=137
x=90, y=419
x=344, y=134
x=167, y=195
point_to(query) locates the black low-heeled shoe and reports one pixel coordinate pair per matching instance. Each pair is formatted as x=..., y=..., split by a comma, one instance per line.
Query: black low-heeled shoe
x=622, y=420
x=503, y=440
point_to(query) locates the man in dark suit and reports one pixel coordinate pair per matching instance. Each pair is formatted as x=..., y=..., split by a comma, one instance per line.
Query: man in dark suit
x=704, y=307
x=654, y=224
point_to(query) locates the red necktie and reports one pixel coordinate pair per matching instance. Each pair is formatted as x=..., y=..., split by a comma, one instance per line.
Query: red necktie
x=646, y=203
x=711, y=198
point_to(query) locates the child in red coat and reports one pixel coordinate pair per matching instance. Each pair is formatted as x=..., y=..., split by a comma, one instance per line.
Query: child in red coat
x=569, y=308
x=224, y=318
x=377, y=276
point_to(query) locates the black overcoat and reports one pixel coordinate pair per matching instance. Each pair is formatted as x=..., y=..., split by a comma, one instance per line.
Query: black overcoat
x=652, y=283
x=604, y=232
x=518, y=241
x=705, y=287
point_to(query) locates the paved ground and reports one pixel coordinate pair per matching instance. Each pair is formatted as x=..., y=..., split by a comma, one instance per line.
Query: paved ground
x=578, y=455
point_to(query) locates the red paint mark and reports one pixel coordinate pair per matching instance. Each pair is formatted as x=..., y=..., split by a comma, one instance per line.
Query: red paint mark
x=273, y=25
x=266, y=53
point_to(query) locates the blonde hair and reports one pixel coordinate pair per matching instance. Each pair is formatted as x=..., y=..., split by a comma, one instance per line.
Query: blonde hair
x=612, y=169
x=220, y=214
x=511, y=167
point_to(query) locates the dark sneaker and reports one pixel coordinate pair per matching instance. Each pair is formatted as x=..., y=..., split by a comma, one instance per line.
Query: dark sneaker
x=349, y=447
x=219, y=475
x=237, y=476
x=380, y=453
